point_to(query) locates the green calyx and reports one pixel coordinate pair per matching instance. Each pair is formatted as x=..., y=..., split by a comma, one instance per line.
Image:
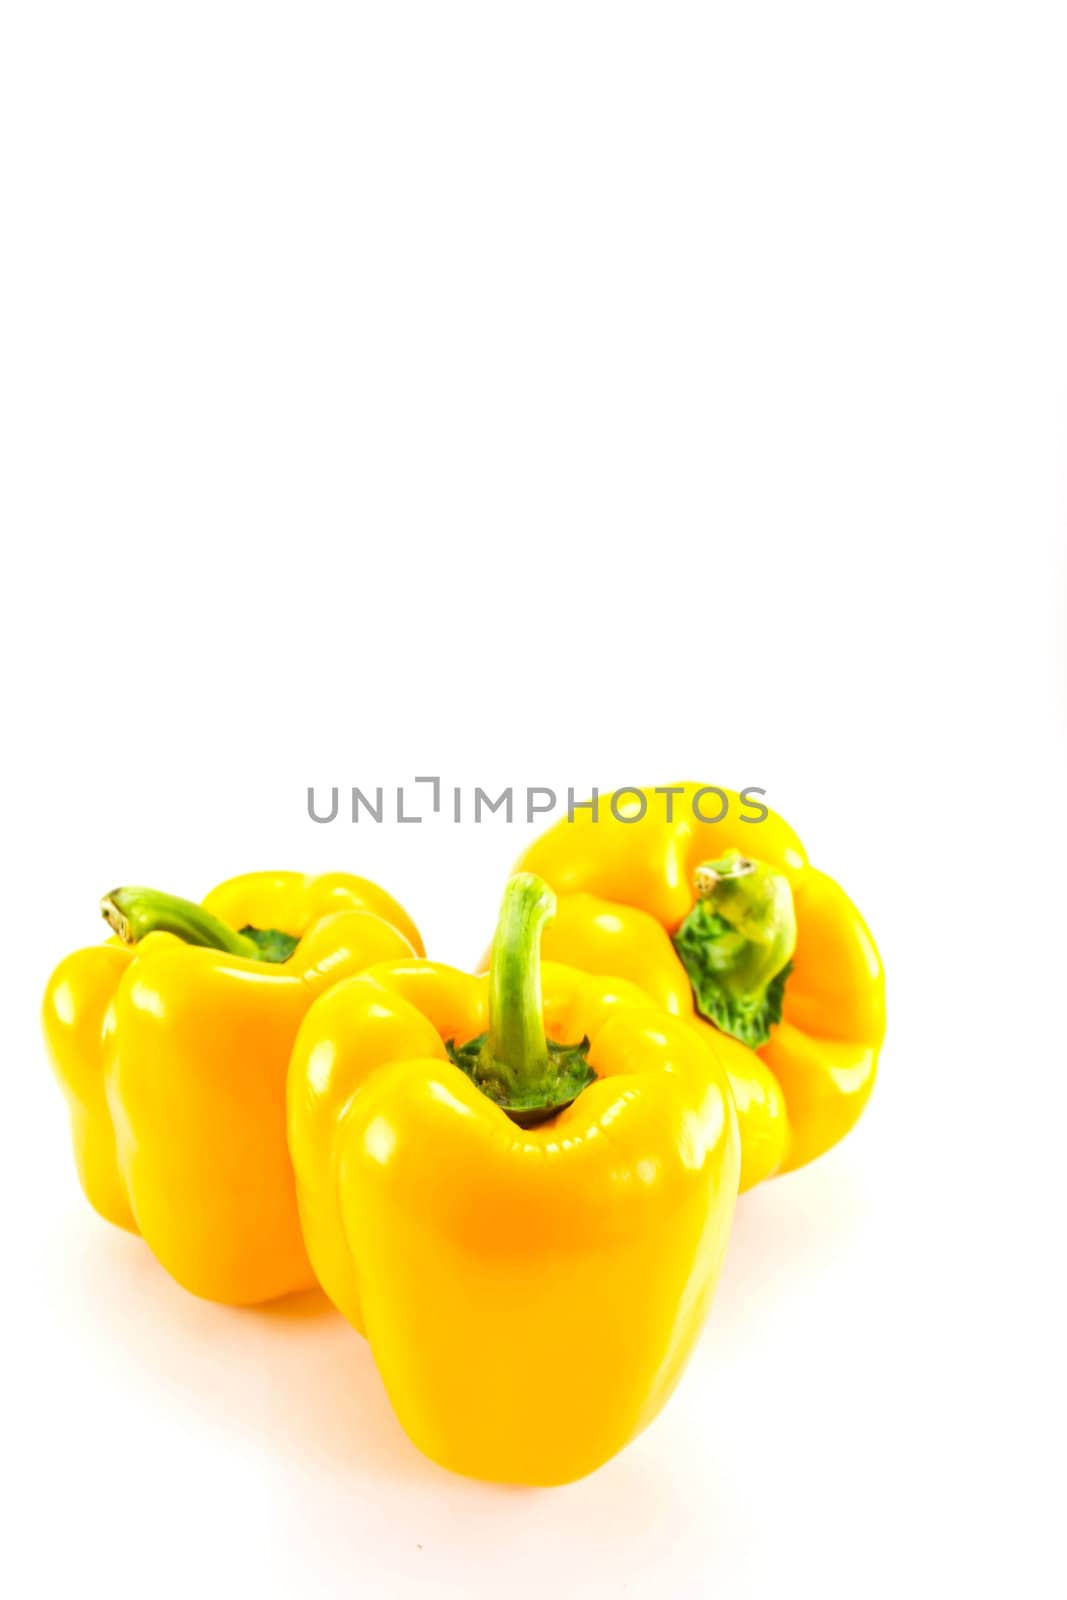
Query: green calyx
x=271, y=943
x=528, y=1076
x=737, y=945
x=567, y=1074
x=134, y=912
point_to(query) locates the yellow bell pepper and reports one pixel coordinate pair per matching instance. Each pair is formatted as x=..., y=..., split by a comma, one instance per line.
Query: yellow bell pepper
x=171, y=1043
x=521, y=1197
x=725, y=923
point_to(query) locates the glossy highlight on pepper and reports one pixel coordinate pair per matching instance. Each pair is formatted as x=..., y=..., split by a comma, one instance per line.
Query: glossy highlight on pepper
x=171, y=1044
x=530, y=1293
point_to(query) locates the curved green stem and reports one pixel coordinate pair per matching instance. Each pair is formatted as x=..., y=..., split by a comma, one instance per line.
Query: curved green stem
x=737, y=944
x=528, y=1075
x=516, y=1043
x=133, y=912
x=757, y=903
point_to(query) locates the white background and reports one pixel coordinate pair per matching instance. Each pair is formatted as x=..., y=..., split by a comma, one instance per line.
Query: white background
x=564, y=394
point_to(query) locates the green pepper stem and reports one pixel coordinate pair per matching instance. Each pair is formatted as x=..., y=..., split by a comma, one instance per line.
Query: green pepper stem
x=134, y=912
x=757, y=903
x=516, y=1047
